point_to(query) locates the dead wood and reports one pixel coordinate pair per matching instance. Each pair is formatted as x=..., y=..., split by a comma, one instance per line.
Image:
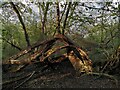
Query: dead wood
x=77, y=63
x=44, y=54
x=59, y=58
x=29, y=49
x=60, y=37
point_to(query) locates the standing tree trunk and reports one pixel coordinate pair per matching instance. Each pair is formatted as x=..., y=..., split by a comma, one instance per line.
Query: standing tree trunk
x=64, y=24
x=58, y=18
x=119, y=23
x=45, y=17
x=21, y=21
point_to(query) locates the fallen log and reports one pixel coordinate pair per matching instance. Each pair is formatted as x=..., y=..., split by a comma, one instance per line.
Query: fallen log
x=76, y=55
x=29, y=49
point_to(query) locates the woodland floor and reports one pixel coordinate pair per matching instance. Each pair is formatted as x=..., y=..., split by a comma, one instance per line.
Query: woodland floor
x=63, y=76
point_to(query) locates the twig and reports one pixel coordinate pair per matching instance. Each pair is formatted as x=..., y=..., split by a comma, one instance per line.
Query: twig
x=25, y=80
x=105, y=66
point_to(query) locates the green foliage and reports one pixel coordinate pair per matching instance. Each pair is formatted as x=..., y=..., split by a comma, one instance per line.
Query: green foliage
x=92, y=28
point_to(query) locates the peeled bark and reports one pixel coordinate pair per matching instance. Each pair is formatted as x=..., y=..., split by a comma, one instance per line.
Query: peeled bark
x=80, y=66
x=74, y=53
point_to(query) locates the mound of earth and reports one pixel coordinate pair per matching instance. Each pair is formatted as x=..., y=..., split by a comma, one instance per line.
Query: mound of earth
x=63, y=76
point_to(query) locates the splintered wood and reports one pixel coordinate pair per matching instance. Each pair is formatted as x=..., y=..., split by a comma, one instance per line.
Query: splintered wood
x=46, y=53
x=80, y=66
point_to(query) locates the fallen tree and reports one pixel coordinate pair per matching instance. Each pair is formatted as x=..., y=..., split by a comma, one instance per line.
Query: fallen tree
x=46, y=51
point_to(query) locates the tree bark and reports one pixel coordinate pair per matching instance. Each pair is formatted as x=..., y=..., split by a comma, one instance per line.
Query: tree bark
x=22, y=23
x=119, y=22
x=58, y=18
x=45, y=17
x=63, y=12
x=64, y=24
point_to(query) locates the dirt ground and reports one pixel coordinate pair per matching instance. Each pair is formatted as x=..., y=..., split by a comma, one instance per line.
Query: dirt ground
x=64, y=76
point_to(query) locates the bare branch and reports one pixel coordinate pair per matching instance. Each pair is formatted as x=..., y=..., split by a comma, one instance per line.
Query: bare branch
x=12, y=44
